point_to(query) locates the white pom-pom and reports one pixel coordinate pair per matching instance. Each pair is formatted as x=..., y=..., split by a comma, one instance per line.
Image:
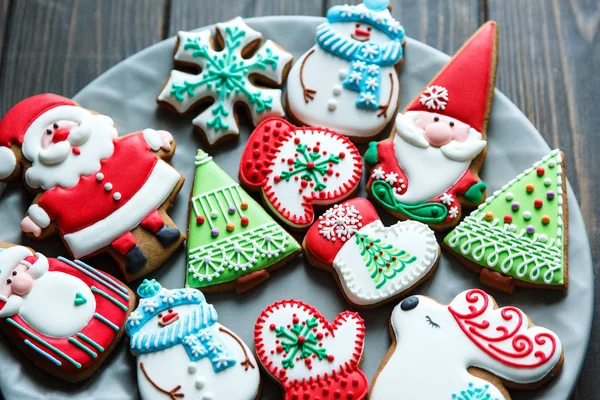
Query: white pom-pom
x=8, y=162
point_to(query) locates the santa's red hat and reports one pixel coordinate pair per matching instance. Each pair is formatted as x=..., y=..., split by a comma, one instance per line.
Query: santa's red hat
x=463, y=89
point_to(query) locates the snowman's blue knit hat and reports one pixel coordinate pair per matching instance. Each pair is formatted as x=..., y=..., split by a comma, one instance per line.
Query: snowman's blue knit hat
x=372, y=12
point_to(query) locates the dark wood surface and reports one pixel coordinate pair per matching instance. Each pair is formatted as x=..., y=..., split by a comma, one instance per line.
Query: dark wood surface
x=549, y=55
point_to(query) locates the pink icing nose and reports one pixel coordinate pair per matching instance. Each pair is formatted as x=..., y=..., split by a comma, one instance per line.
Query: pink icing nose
x=21, y=284
x=438, y=134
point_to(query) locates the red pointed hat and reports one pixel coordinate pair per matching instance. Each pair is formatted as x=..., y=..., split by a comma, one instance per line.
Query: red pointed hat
x=464, y=88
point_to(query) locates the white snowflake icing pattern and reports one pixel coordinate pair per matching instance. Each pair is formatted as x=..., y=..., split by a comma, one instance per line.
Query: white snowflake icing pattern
x=453, y=213
x=434, y=97
x=447, y=199
x=150, y=305
x=213, y=346
x=340, y=222
x=394, y=26
x=190, y=340
x=377, y=18
x=135, y=318
x=370, y=50
x=371, y=83
x=198, y=350
x=205, y=334
x=378, y=173
x=367, y=98
x=391, y=178
x=188, y=294
x=169, y=297
x=359, y=65
x=373, y=69
x=222, y=360
x=355, y=76
x=347, y=11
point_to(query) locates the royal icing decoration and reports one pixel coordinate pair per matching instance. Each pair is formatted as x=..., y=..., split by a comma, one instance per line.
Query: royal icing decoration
x=348, y=81
x=310, y=357
x=226, y=77
x=520, y=231
x=374, y=263
x=183, y=352
x=298, y=167
x=230, y=235
x=430, y=163
x=66, y=315
x=435, y=340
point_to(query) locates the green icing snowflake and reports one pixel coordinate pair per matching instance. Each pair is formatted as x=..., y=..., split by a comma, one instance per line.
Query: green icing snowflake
x=474, y=393
x=311, y=165
x=300, y=340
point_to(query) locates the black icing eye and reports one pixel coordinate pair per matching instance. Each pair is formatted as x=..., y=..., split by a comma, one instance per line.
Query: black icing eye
x=159, y=315
x=357, y=25
x=369, y=29
x=14, y=273
x=9, y=281
x=48, y=131
x=170, y=310
x=431, y=323
x=55, y=125
x=451, y=123
x=436, y=119
x=409, y=303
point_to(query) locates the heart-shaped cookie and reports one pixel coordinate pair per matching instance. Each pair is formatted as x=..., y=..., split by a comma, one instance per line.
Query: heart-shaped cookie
x=309, y=356
x=372, y=263
x=296, y=168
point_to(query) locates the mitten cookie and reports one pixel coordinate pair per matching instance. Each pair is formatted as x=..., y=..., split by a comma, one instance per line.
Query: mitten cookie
x=98, y=191
x=372, y=263
x=298, y=168
x=469, y=349
x=227, y=78
x=429, y=165
x=518, y=237
x=65, y=316
x=310, y=357
x=348, y=80
x=183, y=352
x=233, y=243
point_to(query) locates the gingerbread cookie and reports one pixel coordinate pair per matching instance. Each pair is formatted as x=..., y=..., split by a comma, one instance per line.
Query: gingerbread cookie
x=298, y=168
x=469, y=349
x=98, y=191
x=183, y=351
x=518, y=237
x=372, y=263
x=310, y=357
x=348, y=80
x=226, y=78
x=428, y=167
x=233, y=243
x=65, y=316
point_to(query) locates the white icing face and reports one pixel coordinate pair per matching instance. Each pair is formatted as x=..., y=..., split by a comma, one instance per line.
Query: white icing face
x=361, y=32
x=168, y=317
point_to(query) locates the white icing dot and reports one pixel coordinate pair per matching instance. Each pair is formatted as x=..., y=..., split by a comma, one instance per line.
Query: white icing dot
x=547, y=181
x=207, y=396
x=108, y=187
x=527, y=215
x=543, y=238
x=99, y=176
x=509, y=196
x=552, y=163
x=512, y=227
x=332, y=104
x=214, y=214
x=200, y=383
x=117, y=196
x=337, y=90
x=192, y=367
x=343, y=73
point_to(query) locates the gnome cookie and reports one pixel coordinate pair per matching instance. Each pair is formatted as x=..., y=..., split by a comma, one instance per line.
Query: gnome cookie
x=299, y=168
x=309, y=356
x=66, y=317
x=518, y=237
x=429, y=166
x=183, y=352
x=469, y=349
x=372, y=263
x=348, y=80
x=98, y=191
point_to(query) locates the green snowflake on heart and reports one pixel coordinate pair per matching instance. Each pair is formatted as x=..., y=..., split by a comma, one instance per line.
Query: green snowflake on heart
x=312, y=167
x=301, y=341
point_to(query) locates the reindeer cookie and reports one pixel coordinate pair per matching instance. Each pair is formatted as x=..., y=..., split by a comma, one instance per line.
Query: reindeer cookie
x=469, y=349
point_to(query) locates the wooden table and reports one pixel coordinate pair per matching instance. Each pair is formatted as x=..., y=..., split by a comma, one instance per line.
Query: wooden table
x=549, y=50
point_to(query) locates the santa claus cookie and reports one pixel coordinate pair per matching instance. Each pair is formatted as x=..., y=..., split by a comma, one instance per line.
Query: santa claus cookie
x=348, y=80
x=65, y=316
x=469, y=349
x=309, y=356
x=183, y=352
x=518, y=237
x=298, y=168
x=429, y=166
x=233, y=243
x=98, y=191
x=243, y=72
x=372, y=263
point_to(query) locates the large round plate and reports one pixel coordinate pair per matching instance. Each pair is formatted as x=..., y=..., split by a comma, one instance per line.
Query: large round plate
x=127, y=93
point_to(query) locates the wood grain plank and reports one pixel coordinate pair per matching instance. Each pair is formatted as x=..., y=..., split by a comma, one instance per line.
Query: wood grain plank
x=549, y=58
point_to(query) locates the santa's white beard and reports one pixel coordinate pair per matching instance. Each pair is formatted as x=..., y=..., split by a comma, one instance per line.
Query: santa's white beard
x=58, y=166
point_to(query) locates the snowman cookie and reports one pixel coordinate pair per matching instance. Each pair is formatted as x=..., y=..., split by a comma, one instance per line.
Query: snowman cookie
x=182, y=351
x=296, y=169
x=243, y=72
x=372, y=263
x=348, y=80
x=65, y=316
x=309, y=356
x=469, y=349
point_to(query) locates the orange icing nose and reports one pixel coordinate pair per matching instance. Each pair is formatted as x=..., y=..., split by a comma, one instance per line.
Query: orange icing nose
x=60, y=135
x=169, y=316
x=362, y=32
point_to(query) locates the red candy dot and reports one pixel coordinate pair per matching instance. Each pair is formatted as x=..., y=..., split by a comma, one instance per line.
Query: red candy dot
x=310, y=165
x=272, y=327
x=540, y=171
x=277, y=178
x=538, y=203
x=507, y=219
x=342, y=154
x=200, y=220
x=296, y=140
x=290, y=161
x=316, y=149
x=245, y=221
x=76, y=151
x=329, y=171
x=330, y=358
x=304, y=183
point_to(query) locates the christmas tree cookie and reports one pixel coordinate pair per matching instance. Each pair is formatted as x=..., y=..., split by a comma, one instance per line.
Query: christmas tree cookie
x=372, y=263
x=232, y=242
x=227, y=77
x=518, y=237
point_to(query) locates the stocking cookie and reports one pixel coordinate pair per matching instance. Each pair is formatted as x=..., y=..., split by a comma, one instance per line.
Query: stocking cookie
x=65, y=316
x=348, y=80
x=298, y=168
x=227, y=77
x=428, y=168
x=310, y=357
x=182, y=350
x=518, y=237
x=469, y=349
x=98, y=191
x=372, y=263
x=233, y=243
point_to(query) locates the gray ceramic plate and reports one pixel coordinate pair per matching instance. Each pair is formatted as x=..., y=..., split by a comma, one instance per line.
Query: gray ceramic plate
x=127, y=94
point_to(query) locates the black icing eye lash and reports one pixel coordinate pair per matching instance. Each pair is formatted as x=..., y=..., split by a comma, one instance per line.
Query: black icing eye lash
x=431, y=323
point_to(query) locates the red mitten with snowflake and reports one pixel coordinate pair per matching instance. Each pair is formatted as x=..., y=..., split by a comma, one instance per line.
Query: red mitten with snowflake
x=310, y=357
x=296, y=168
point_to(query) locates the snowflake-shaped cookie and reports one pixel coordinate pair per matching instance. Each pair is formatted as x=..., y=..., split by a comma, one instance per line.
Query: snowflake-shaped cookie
x=340, y=222
x=434, y=97
x=226, y=78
